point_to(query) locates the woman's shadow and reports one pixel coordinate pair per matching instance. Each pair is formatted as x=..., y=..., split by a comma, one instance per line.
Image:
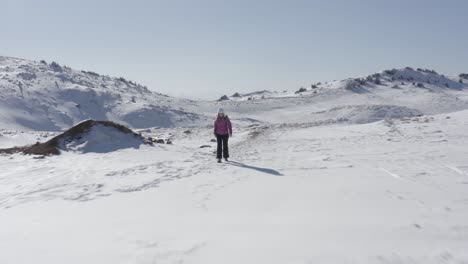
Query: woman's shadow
x=264, y=170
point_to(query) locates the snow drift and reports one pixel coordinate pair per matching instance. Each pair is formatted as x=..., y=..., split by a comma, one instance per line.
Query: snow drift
x=362, y=114
x=87, y=136
x=98, y=136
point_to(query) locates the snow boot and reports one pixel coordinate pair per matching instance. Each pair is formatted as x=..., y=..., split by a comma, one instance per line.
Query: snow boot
x=226, y=159
x=219, y=160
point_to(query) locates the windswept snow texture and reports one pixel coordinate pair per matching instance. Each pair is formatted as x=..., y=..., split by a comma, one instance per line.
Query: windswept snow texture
x=101, y=139
x=51, y=97
x=346, y=172
x=361, y=114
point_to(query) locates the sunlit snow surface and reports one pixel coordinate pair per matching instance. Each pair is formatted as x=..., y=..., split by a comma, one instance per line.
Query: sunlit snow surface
x=335, y=177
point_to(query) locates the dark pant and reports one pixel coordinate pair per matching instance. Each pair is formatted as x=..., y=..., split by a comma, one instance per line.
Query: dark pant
x=222, y=146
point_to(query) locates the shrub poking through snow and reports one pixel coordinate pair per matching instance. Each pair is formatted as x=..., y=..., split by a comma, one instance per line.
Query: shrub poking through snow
x=56, y=67
x=301, y=90
x=27, y=76
x=223, y=98
x=360, y=81
x=351, y=84
x=390, y=72
x=427, y=71
x=463, y=75
x=91, y=73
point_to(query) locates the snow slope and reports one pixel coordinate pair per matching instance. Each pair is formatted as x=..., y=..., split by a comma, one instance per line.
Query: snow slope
x=51, y=97
x=387, y=192
x=347, y=172
x=397, y=95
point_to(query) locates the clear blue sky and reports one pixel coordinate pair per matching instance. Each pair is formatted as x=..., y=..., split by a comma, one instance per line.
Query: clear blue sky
x=203, y=49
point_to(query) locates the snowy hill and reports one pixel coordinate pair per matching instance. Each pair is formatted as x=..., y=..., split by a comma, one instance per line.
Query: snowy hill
x=364, y=170
x=52, y=97
x=389, y=94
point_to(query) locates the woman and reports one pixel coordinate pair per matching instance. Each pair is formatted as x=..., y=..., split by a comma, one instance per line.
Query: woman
x=222, y=131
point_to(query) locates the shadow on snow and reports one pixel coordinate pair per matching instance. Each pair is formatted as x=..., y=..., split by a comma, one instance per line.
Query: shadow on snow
x=264, y=170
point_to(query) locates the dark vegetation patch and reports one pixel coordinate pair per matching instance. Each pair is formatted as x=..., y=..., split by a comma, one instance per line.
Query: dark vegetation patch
x=301, y=90
x=223, y=98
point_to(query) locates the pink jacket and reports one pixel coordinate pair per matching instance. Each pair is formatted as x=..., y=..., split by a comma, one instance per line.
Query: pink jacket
x=222, y=126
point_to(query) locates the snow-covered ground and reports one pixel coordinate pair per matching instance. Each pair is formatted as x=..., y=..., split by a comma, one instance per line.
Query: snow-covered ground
x=388, y=192
x=347, y=174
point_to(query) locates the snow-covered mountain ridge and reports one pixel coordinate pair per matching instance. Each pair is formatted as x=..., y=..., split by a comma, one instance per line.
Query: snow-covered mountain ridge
x=395, y=78
x=49, y=96
x=396, y=93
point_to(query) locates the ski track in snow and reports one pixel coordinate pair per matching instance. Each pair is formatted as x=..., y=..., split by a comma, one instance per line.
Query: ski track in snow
x=455, y=169
x=396, y=176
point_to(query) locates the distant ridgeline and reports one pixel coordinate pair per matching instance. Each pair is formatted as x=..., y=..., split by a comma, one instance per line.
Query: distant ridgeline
x=53, y=97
